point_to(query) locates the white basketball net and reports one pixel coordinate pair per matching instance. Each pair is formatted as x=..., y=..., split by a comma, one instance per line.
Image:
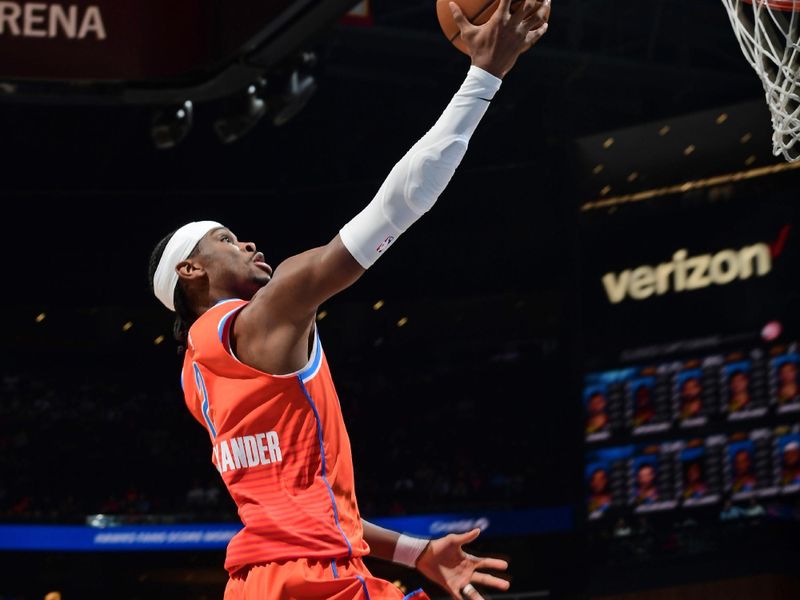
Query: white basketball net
x=769, y=39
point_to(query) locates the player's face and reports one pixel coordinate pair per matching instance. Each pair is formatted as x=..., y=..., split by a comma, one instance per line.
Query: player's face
x=597, y=404
x=788, y=373
x=693, y=474
x=234, y=268
x=691, y=388
x=741, y=462
x=739, y=383
x=647, y=476
x=642, y=397
x=599, y=481
x=791, y=457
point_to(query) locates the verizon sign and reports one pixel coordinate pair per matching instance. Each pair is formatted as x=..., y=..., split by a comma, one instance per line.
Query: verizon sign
x=40, y=20
x=685, y=273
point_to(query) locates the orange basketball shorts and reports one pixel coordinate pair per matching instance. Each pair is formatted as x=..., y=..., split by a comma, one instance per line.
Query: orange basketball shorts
x=308, y=579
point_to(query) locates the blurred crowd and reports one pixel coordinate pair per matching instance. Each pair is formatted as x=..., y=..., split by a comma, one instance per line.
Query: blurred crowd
x=439, y=440
x=701, y=531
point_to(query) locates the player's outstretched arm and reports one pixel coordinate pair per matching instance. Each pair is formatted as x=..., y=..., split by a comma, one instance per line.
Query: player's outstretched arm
x=272, y=332
x=443, y=560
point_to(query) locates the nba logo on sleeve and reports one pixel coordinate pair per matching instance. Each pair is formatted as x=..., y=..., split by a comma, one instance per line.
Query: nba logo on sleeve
x=384, y=244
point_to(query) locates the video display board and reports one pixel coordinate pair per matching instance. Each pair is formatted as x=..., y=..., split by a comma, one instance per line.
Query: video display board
x=690, y=366
x=685, y=436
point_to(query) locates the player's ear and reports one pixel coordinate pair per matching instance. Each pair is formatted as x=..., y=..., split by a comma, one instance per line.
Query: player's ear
x=190, y=269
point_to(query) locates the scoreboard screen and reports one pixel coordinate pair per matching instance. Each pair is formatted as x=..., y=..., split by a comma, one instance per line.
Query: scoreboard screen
x=692, y=435
x=690, y=357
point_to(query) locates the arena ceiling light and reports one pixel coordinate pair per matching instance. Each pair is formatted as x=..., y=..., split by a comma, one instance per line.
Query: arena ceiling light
x=171, y=125
x=297, y=94
x=294, y=90
x=283, y=96
x=244, y=113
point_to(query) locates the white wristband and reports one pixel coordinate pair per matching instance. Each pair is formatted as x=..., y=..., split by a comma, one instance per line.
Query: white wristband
x=417, y=180
x=408, y=549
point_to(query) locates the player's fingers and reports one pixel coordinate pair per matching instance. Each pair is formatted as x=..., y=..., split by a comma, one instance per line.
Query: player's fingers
x=504, y=7
x=535, y=35
x=490, y=581
x=540, y=13
x=527, y=10
x=490, y=563
x=462, y=22
x=518, y=11
x=462, y=539
x=470, y=593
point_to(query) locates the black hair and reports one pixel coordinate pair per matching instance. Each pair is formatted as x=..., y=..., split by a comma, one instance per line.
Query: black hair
x=184, y=317
x=736, y=372
x=688, y=465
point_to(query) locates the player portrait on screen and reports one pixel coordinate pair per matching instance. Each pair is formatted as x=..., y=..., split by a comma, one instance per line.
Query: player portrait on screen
x=599, y=497
x=787, y=388
x=646, y=486
x=643, y=409
x=738, y=389
x=743, y=479
x=596, y=403
x=694, y=480
x=790, y=458
x=690, y=392
x=787, y=378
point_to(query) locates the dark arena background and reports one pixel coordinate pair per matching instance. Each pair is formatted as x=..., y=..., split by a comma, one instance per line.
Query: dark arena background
x=588, y=348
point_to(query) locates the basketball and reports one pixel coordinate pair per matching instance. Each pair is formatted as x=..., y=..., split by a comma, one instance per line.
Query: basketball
x=476, y=11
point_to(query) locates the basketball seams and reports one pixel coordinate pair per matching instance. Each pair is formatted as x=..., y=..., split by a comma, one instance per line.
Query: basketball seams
x=472, y=19
x=486, y=7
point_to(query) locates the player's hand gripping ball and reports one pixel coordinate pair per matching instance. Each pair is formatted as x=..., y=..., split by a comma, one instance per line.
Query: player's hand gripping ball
x=477, y=12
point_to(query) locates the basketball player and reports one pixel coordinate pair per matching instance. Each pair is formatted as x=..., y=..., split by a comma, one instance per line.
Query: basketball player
x=597, y=419
x=695, y=485
x=739, y=384
x=743, y=478
x=691, y=398
x=256, y=377
x=644, y=411
x=791, y=464
x=600, y=498
x=789, y=391
x=647, y=492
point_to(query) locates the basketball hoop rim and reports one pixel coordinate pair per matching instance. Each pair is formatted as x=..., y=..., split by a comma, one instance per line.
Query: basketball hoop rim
x=784, y=5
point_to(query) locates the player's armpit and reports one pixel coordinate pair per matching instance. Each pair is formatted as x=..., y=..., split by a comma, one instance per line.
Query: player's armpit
x=271, y=333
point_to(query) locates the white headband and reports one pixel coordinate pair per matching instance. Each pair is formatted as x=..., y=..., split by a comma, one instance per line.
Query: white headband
x=178, y=249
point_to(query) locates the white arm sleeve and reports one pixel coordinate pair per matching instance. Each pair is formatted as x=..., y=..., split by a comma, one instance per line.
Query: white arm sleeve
x=417, y=180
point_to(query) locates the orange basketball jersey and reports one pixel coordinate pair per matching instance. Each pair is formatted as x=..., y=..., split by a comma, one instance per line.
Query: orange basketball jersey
x=280, y=445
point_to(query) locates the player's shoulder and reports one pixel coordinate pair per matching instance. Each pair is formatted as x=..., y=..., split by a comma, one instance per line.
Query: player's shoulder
x=214, y=321
x=213, y=315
